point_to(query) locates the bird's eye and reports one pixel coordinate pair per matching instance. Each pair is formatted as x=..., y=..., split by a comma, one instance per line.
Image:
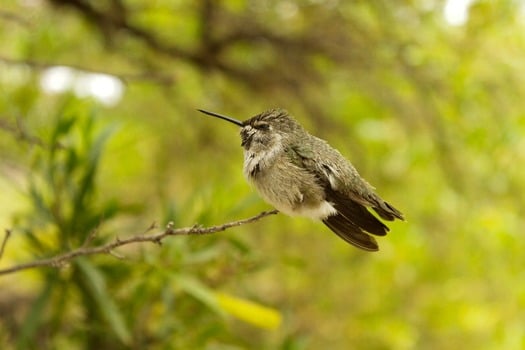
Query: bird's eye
x=262, y=126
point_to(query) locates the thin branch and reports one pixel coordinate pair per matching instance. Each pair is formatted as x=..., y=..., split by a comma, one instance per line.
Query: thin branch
x=15, y=18
x=61, y=259
x=21, y=134
x=36, y=65
x=4, y=242
x=109, y=23
x=90, y=237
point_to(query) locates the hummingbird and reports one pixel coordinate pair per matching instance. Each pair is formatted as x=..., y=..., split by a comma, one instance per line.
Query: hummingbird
x=302, y=175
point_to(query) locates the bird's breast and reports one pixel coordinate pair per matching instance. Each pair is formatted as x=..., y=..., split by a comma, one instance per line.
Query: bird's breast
x=289, y=188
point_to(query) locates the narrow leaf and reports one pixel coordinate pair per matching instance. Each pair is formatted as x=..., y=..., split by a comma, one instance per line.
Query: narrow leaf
x=108, y=307
x=199, y=291
x=249, y=311
x=34, y=317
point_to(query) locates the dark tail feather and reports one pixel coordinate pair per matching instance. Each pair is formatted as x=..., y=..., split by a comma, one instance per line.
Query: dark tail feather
x=357, y=214
x=387, y=211
x=351, y=233
x=361, y=217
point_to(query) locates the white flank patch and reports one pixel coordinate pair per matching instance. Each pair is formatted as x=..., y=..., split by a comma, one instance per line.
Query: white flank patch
x=320, y=212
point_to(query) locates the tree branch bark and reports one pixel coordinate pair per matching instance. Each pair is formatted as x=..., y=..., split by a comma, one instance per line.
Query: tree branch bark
x=145, y=76
x=61, y=259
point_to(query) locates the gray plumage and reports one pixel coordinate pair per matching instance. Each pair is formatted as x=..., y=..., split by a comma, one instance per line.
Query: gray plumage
x=303, y=175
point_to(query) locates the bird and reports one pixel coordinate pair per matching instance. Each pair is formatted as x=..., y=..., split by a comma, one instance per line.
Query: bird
x=302, y=175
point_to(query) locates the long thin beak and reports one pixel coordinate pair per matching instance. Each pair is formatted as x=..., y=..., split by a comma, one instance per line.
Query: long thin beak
x=231, y=120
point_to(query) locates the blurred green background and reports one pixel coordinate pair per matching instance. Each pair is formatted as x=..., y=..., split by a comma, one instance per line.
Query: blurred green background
x=99, y=132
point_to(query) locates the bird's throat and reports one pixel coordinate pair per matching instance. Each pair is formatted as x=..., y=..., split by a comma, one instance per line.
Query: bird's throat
x=257, y=162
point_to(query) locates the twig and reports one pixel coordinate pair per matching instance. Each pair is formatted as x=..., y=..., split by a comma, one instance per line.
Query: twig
x=90, y=237
x=15, y=18
x=61, y=259
x=4, y=242
x=36, y=65
x=18, y=131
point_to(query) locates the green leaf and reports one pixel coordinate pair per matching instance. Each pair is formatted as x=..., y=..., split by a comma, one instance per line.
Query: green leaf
x=107, y=306
x=34, y=317
x=87, y=182
x=248, y=311
x=62, y=127
x=251, y=312
x=199, y=291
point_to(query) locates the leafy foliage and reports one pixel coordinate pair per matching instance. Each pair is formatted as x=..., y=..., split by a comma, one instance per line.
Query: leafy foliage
x=431, y=114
